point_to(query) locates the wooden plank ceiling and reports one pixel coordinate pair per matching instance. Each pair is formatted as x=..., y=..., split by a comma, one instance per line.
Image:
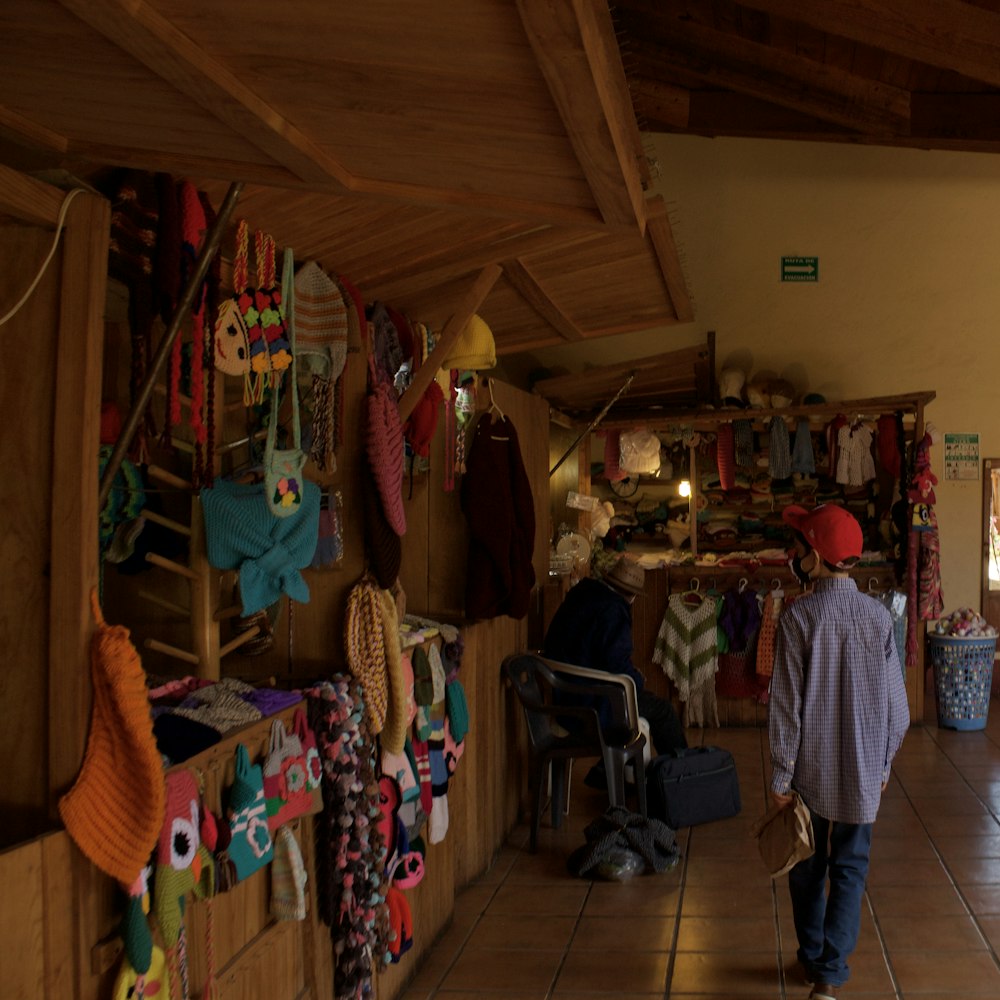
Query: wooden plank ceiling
x=406, y=146
x=887, y=72
x=486, y=154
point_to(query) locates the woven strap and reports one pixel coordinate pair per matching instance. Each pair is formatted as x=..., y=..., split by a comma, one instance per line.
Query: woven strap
x=241, y=261
x=288, y=298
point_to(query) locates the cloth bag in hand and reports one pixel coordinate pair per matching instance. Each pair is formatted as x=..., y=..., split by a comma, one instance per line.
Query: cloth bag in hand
x=283, y=482
x=785, y=836
x=285, y=790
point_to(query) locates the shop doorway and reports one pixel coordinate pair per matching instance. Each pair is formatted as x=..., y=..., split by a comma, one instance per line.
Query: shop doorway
x=991, y=542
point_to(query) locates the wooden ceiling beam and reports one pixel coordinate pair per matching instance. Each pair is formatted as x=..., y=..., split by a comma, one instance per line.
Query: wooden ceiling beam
x=577, y=52
x=531, y=290
x=949, y=34
x=27, y=199
x=662, y=238
x=145, y=34
x=785, y=79
x=662, y=103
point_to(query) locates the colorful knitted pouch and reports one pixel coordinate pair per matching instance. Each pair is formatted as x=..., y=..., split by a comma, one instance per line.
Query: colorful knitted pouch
x=285, y=788
x=251, y=846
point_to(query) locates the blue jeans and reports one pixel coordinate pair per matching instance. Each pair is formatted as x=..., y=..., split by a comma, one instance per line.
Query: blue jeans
x=827, y=925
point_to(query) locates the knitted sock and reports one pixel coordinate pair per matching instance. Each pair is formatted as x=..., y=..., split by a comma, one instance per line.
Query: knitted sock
x=437, y=824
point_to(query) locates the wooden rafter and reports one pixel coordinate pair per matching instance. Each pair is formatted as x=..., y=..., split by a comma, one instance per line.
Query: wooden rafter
x=950, y=34
x=788, y=80
x=149, y=37
x=576, y=51
x=666, y=253
x=529, y=288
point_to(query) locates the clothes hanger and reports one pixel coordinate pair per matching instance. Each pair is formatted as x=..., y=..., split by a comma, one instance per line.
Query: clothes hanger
x=691, y=597
x=495, y=413
x=494, y=409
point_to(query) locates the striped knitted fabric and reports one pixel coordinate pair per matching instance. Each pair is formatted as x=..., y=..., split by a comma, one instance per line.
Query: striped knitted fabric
x=396, y=715
x=364, y=640
x=743, y=440
x=779, y=459
x=726, y=456
x=765, y=637
x=320, y=322
x=686, y=649
x=803, y=460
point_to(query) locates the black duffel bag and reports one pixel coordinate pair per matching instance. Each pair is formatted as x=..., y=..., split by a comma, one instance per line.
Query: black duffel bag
x=691, y=786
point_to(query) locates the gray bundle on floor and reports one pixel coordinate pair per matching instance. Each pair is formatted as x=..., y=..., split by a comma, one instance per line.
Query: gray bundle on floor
x=621, y=842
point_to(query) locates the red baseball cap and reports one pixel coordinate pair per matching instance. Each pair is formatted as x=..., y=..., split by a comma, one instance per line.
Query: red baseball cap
x=830, y=530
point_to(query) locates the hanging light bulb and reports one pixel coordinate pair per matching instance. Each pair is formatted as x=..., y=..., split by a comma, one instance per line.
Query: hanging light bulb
x=684, y=489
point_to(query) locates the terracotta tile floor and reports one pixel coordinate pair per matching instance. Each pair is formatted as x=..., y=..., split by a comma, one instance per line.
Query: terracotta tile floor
x=716, y=926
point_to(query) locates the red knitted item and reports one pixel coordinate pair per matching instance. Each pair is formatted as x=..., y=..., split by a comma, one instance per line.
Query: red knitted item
x=725, y=452
x=384, y=442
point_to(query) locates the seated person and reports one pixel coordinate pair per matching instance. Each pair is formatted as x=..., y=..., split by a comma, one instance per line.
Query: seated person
x=593, y=628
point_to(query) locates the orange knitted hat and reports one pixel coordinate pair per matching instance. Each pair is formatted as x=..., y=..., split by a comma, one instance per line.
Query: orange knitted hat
x=115, y=809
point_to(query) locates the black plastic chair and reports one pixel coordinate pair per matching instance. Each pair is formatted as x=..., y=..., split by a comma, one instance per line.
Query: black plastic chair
x=558, y=733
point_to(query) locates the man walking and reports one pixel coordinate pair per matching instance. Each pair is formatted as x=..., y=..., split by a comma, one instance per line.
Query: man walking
x=838, y=714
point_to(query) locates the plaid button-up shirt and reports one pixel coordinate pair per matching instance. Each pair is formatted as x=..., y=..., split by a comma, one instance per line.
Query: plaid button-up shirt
x=838, y=710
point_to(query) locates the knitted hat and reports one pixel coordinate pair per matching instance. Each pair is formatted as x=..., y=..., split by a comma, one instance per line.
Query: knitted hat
x=383, y=546
x=320, y=322
x=384, y=448
x=396, y=716
x=627, y=576
x=474, y=347
x=423, y=678
x=830, y=530
x=288, y=878
x=182, y=864
x=437, y=672
x=114, y=811
x=457, y=709
x=422, y=422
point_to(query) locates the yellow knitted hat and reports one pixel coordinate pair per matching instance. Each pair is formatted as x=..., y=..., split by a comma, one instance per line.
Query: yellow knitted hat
x=115, y=809
x=474, y=348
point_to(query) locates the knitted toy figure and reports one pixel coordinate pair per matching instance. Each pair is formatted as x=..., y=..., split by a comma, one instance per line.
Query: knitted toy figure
x=183, y=865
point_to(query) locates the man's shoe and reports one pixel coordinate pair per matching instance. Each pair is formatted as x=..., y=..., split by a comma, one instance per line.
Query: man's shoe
x=823, y=991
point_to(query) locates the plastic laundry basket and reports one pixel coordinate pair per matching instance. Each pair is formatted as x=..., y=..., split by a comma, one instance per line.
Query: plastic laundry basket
x=963, y=672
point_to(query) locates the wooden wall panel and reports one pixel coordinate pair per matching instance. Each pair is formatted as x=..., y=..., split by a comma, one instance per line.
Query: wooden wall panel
x=25, y=496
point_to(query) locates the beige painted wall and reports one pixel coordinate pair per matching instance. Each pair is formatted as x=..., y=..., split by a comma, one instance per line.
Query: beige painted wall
x=908, y=299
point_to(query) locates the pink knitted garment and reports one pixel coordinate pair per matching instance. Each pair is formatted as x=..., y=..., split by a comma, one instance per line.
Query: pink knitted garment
x=384, y=440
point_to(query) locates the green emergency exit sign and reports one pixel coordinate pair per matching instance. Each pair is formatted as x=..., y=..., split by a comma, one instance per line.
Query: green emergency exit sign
x=800, y=268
